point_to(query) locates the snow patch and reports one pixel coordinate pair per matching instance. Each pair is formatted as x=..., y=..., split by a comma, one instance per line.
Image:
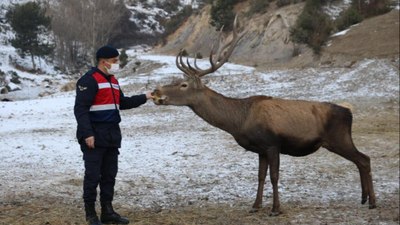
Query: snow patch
x=171, y=156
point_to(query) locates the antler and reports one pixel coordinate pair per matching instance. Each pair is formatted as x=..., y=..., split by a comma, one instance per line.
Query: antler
x=222, y=56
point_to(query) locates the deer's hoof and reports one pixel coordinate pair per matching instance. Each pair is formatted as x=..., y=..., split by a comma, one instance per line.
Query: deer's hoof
x=254, y=210
x=274, y=213
x=372, y=206
x=363, y=200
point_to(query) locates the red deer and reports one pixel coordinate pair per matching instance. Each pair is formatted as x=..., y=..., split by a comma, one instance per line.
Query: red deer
x=268, y=126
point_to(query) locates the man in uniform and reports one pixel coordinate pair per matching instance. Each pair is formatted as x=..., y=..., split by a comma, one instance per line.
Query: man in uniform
x=98, y=101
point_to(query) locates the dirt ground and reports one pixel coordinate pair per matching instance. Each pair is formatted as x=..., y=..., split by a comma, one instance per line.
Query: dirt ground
x=376, y=131
x=47, y=210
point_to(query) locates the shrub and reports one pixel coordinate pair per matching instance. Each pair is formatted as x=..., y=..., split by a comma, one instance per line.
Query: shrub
x=184, y=52
x=222, y=14
x=312, y=27
x=169, y=6
x=123, y=58
x=347, y=18
x=14, y=77
x=141, y=16
x=370, y=8
x=296, y=51
x=199, y=55
x=359, y=10
x=258, y=6
x=3, y=80
x=281, y=3
x=177, y=20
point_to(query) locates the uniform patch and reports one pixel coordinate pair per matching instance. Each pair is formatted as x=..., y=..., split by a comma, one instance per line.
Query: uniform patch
x=82, y=88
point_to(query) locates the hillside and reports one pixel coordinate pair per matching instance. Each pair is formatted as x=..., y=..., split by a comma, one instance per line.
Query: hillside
x=374, y=37
x=267, y=41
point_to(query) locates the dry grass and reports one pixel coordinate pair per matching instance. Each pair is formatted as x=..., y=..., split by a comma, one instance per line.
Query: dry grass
x=46, y=210
x=376, y=132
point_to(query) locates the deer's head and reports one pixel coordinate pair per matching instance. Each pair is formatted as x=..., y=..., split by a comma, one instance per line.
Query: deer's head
x=190, y=89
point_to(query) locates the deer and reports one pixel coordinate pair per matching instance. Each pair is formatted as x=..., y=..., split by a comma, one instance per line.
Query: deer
x=267, y=125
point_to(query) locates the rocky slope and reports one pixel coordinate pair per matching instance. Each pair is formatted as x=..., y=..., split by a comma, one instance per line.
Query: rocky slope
x=267, y=41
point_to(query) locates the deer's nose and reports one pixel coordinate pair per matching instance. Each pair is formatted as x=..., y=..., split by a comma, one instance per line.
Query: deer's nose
x=156, y=92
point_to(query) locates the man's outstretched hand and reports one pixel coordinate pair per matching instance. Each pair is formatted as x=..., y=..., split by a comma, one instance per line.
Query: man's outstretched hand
x=149, y=95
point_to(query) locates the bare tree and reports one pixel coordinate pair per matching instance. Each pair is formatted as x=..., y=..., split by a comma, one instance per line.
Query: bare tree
x=81, y=27
x=67, y=31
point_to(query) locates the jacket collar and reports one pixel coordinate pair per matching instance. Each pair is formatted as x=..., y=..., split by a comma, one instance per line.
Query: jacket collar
x=108, y=77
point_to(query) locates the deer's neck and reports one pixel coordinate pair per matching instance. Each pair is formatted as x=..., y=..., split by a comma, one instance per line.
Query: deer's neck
x=225, y=113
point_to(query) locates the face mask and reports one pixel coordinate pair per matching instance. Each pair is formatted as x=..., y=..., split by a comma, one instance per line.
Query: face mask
x=113, y=69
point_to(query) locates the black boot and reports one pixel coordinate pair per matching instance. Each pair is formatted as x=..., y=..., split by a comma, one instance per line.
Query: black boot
x=91, y=216
x=109, y=216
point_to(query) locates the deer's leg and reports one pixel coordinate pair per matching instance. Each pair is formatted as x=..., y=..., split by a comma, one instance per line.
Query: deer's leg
x=363, y=163
x=340, y=142
x=364, y=184
x=262, y=173
x=273, y=161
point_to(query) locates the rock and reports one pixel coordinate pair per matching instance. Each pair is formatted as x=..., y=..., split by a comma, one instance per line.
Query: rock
x=70, y=86
x=45, y=93
x=3, y=90
x=13, y=87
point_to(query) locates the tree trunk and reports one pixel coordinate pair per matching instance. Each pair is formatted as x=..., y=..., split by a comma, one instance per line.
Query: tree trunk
x=33, y=62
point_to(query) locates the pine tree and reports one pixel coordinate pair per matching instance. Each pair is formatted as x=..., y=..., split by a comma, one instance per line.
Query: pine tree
x=29, y=21
x=222, y=14
x=123, y=58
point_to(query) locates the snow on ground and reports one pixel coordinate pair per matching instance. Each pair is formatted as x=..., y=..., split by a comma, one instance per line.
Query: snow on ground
x=145, y=15
x=150, y=24
x=334, y=8
x=31, y=85
x=170, y=156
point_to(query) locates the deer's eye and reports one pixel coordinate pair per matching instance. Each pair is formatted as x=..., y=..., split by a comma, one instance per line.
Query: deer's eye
x=184, y=85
